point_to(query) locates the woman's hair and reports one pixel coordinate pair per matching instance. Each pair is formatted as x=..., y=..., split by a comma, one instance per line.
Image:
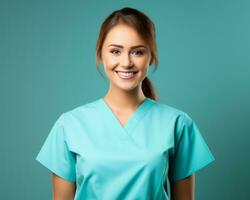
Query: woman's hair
x=144, y=27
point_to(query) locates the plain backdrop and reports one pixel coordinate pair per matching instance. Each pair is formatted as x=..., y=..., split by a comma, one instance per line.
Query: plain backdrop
x=47, y=67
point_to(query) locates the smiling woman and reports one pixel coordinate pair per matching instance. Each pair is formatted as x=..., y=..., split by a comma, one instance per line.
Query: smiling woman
x=125, y=145
x=127, y=42
x=125, y=56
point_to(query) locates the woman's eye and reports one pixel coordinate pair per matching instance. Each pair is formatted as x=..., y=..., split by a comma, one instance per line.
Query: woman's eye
x=114, y=51
x=138, y=52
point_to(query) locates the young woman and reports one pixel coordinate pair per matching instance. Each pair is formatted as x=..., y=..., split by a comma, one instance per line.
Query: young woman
x=125, y=145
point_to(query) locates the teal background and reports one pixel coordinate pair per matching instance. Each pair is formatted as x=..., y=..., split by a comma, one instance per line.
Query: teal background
x=47, y=67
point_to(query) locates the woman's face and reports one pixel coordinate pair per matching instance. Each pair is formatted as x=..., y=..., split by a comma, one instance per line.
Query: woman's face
x=125, y=51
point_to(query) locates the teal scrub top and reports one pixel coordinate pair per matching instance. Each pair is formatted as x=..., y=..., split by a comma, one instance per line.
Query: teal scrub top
x=109, y=161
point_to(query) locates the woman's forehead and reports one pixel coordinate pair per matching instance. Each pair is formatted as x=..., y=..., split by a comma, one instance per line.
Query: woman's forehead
x=123, y=35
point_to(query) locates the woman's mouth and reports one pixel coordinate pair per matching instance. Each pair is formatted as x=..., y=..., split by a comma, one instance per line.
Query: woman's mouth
x=126, y=75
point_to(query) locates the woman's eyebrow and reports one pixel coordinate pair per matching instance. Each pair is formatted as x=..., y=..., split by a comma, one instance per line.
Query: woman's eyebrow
x=133, y=47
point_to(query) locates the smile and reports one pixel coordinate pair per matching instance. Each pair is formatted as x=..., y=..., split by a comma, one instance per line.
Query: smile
x=126, y=75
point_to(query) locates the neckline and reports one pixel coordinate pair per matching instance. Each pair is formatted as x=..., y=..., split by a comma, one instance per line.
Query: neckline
x=134, y=117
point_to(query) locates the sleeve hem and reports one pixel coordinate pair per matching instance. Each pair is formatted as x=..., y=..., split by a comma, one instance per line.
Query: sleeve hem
x=177, y=178
x=60, y=174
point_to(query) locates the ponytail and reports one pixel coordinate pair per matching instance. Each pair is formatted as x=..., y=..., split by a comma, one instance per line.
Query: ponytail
x=148, y=89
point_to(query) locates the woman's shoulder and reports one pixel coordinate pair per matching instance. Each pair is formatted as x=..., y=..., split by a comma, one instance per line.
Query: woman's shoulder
x=81, y=111
x=171, y=113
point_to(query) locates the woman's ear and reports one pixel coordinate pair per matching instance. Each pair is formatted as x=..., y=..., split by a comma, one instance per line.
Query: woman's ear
x=99, y=61
x=100, y=58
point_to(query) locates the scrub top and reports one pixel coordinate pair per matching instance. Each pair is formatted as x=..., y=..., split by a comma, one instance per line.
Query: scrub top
x=136, y=161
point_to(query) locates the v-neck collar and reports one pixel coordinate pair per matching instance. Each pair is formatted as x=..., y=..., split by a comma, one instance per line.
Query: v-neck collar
x=134, y=117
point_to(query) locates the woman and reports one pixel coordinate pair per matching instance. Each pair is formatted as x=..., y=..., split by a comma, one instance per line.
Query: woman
x=125, y=145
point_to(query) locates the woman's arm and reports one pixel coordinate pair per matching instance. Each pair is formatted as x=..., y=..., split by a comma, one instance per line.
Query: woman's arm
x=183, y=189
x=62, y=189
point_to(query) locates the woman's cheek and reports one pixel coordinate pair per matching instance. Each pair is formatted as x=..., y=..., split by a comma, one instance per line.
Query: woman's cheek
x=112, y=63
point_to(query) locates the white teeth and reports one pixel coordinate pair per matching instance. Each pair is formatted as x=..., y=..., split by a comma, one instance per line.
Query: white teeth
x=125, y=74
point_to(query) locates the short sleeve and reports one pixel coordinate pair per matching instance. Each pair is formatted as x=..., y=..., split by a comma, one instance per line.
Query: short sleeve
x=55, y=154
x=191, y=153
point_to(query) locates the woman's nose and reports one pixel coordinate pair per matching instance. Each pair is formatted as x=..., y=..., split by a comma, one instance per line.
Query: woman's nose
x=126, y=60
